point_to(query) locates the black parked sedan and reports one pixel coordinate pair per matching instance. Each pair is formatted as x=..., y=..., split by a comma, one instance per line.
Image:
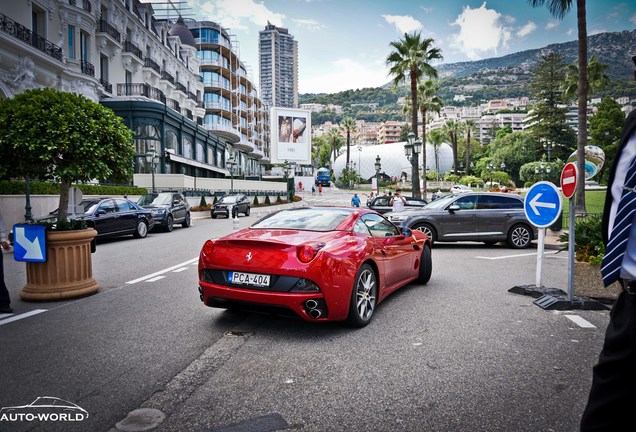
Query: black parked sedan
x=231, y=205
x=168, y=208
x=112, y=217
x=381, y=203
x=486, y=217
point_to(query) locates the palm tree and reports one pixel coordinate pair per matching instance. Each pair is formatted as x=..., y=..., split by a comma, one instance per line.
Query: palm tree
x=436, y=138
x=348, y=126
x=335, y=140
x=596, y=78
x=558, y=9
x=469, y=126
x=452, y=129
x=411, y=60
x=429, y=101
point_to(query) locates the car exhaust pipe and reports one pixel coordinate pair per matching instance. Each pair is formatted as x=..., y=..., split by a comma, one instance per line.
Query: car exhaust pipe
x=200, y=293
x=311, y=304
x=315, y=313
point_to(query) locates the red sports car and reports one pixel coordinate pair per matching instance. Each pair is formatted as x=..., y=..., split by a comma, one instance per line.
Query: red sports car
x=323, y=264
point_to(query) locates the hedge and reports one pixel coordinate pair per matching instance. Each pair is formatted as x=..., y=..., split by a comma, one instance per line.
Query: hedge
x=46, y=188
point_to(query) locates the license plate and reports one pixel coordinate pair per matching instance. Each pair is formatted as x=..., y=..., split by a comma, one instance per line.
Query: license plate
x=248, y=279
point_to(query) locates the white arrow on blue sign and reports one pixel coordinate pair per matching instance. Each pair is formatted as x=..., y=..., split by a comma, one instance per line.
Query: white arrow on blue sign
x=29, y=243
x=543, y=204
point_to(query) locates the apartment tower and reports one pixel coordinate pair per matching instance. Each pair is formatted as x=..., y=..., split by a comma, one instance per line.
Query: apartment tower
x=278, y=58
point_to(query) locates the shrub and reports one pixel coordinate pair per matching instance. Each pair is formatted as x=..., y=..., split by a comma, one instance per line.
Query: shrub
x=589, y=246
x=203, y=203
x=256, y=200
x=267, y=200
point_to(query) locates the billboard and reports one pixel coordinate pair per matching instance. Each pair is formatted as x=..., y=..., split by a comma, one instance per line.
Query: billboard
x=291, y=135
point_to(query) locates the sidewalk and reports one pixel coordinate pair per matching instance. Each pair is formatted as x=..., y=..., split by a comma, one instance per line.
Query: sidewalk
x=552, y=239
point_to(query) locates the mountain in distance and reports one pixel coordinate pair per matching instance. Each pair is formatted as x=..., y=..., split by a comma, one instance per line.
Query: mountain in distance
x=507, y=76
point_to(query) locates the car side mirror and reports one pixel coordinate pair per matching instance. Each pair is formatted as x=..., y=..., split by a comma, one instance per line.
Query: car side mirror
x=406, y=232
x=453, y=208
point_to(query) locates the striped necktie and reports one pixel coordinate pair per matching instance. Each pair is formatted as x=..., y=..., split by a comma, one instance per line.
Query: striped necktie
x=615, y=249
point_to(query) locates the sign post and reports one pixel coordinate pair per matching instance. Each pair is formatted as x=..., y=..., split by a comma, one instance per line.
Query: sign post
x=568, y=187
x=542, y=207
x=29, y=243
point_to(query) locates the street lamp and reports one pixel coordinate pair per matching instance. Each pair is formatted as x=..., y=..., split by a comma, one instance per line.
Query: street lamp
x=287, y=167
x=231, y=163
x=359, y=166
x=413, y=147
x=491, y=168
x=151, y=158
x=542, y=168
x=547, y=146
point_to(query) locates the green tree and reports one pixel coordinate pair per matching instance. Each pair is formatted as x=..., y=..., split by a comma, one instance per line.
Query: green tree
x=452, y=129
x=596, y=77
x=411, y=60
x=515, y=150
x=429, y=101
x=605, y=130
x=65, y=137
x=348, y=126
x=469, y=126
x=436, y=138
x=335, y=141
x=558, y=9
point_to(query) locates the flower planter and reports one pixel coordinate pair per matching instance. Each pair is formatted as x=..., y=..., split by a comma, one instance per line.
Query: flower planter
x=588, y=282
x=68, y=270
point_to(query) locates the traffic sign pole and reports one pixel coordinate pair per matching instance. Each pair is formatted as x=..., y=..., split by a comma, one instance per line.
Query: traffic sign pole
x=540, y=248
x=571, y=250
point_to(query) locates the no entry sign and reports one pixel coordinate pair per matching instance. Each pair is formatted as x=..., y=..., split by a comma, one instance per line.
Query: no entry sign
x=568, y=180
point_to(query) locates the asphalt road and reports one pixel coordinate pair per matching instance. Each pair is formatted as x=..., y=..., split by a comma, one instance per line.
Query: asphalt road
x=459, y=354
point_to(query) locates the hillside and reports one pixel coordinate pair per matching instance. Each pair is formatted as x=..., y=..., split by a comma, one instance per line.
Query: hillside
x=495, y=78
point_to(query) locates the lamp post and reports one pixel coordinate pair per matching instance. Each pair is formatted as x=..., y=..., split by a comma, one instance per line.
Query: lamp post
x=359, y=166
x=378, y=167
x=491, y=168
x=547, y=146
x=413, y=147
x=542, y=168
x=231, y=164
x=287, y=169
x=151, y=158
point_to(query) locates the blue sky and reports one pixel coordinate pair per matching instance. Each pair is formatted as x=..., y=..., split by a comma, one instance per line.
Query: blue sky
x=343, y=44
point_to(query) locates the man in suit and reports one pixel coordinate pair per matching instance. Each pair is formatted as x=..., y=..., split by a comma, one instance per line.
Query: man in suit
x=613, y=394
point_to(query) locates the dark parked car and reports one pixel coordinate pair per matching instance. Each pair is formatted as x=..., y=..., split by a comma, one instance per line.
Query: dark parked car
x=231, y=205
x=168, y=208
x=486, y=217
x=381, y=203
x=112, y=217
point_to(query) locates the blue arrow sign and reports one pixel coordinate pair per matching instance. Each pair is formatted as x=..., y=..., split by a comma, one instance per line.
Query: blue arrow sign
x=543, y=204
x=29, y=243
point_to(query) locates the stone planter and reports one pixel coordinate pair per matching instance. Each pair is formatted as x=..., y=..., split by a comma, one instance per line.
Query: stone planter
x=68, y=270
x=588, y=282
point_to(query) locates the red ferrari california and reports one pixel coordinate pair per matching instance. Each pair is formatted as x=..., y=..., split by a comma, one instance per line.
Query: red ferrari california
x=323, y=264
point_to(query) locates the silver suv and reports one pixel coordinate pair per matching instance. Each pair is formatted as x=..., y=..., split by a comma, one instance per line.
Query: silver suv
x=486, y=217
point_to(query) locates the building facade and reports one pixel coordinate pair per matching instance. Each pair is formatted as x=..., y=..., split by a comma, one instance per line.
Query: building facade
x=148, y=71
x=278, y=60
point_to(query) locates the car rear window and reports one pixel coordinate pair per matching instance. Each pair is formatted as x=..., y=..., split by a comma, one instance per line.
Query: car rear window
x=304, y=219
x=494, y=202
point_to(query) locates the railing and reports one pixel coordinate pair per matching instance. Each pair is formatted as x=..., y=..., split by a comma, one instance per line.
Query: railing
x=132, y=48
x=107, y=28
x=7, y=25
x=182, y=88
x=187, y=113
x=87, y=68
x=107, y=86
x=192, y=96
x=166, y=76
x=86, y=4
x=149, y=63
x=174, y=104
x=139, y=89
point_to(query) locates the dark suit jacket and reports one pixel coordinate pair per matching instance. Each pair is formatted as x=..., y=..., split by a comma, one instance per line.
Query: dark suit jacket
x=630, y=125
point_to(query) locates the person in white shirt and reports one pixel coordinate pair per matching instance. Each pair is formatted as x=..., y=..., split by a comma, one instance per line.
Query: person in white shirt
x=397, y=201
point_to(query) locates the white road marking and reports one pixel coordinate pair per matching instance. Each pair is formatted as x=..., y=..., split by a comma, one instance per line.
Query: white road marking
x=160, y=272
x=155, y=279
x=514, y=256
x=580, y=321
x=21, y=316
x=179, y=270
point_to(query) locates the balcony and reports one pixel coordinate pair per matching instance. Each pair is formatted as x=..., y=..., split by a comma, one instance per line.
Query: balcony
x=225, y=130
x=87, y=68
x=182, y=88
x=7, y=25
x=174, y=104
x=139, y=89
x=107, y=28
x=86, y=4
x=108, y=87
x=151, y=64
x=130, y=47
x=256, y=153
x=167, y=77
x=107, y=36
x=244, y=145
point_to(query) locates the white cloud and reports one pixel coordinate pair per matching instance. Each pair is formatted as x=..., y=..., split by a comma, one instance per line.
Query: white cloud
x=633, y=19
x=404, y=23
x=527, y=29
x=233, y=14
x=482, y=32
x=552, y=24
x=346, y=74
x=309, y=24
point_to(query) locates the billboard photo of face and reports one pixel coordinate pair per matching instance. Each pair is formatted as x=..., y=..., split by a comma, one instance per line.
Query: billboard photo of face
x=291, y=133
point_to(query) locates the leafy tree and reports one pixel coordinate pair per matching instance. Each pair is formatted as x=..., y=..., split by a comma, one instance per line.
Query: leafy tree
x=515, y=150
x=348, y=126
x=452, y=129
x=335, y=141
x=65, y=137
x=605, y=129
x=596, y=77
x=558, y=9
x=436, y=138
x=411, y=59
x=469, y=126
x=429, y=101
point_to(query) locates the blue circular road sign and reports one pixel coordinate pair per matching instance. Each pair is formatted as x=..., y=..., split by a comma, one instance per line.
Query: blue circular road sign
x=543, y=204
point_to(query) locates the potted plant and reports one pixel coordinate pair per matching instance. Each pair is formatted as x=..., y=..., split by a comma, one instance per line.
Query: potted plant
x=588, y=254
x=64, y=137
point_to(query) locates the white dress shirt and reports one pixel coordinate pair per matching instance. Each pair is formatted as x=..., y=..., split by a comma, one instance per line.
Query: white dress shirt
x=628, y=267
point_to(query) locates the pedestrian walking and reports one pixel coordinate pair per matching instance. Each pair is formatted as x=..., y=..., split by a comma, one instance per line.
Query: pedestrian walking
x=612, y=395
x=355, y=200
x=313, y=189
x=319, y=189
x=5, y=299
x=397, y=201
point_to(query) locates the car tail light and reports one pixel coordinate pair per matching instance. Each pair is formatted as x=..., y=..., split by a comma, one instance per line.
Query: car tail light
x=207, y=247
x=307, y=252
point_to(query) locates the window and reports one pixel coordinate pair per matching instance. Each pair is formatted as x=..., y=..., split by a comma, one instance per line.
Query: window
x=466, y=203
x=172, y=141
x=361, y=228
x=84, y=46
x=378, y=226
x=200, y=156
x=107, y=206
x=187, y=148
x=71, y=42
x=491, y=202
x=124, y=205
